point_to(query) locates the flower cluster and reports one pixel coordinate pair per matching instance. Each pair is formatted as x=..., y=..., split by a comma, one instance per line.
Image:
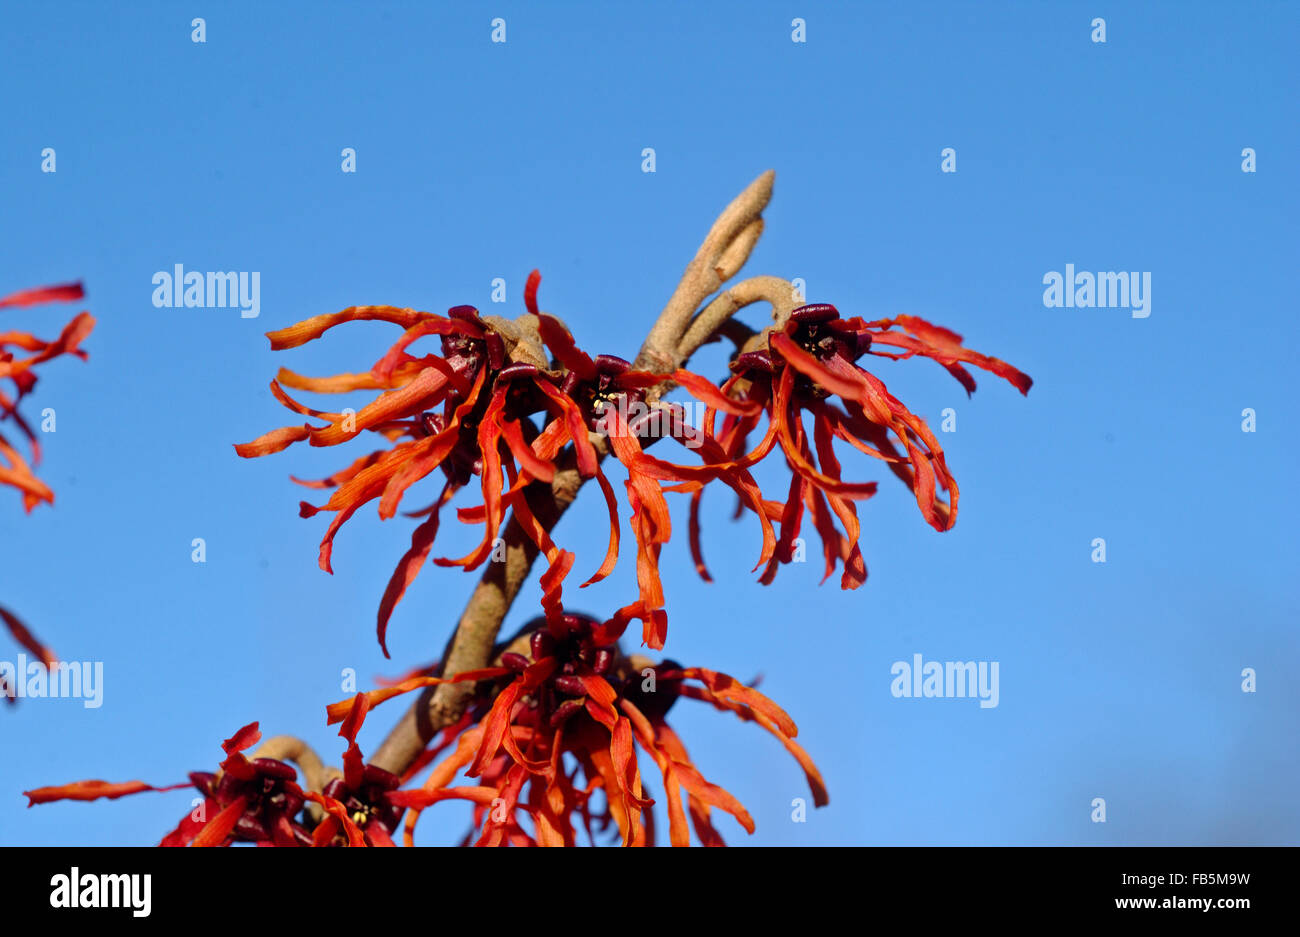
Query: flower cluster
x=491, y=405
x=258, y=800
x=560, y=720
x=20, y=372
x=809, y=366
x=551, y=739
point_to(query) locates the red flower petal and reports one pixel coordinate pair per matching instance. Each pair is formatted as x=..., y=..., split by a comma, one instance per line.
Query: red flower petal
x=729, y=688
x=44, y=294
x=218, y=829
x=560, y=341
x=944, y=346
x=577, y=427
x=92, y=790
x=541, y=469
x=336, y=712
x=245, y=738
x=611, y=552
x=309, y=329
x=26, y=639
x=530, y=291
x=408, y=567
x=276, y=440
x=340, y=814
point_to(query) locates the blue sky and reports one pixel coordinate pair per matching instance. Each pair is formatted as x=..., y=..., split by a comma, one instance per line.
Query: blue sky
x=478, y=160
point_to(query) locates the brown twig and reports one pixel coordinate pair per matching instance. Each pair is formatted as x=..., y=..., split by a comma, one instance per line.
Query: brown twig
x=725, y=249
x=778, y=293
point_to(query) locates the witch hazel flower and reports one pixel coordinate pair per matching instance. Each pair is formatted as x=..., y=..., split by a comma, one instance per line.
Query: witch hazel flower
x=259, y=801
x=609, y=398
x=20, y=355
x=557, y=719
x=502, y=402
x=808, y=367
x=557, y=736
x=562, y=717
x=19, y=370
x=435, y=412
x=250, y=800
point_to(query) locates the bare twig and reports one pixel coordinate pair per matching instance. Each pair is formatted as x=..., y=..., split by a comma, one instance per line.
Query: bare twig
x=725, y=249
x=778, y=293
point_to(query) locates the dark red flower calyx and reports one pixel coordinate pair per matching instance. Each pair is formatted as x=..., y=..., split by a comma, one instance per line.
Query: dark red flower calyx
x=273, y=800
x=466, y=351
x=578, y=651
x=369, y=803
x=818, y=329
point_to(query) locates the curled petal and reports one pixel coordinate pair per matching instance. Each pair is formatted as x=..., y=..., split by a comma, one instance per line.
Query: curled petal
x=309, y=329
x=245, y=738
x=708, y=392
x=340, y=814
x=66, y=344
x=408, y=567
x=729, y=688
x=944, y=346
x=434, y=325
x=424, y=798
x=337, y=712
x=536, y=466
x=92, y=790
x=611, y=552
x=23, y=635
x=66, y=292
x=495, y=726
x=530, y=291
x=354, y=765
x=577, y=427
x=428, y=389
x=559, y=340
x=338, y=383
x=276, y=440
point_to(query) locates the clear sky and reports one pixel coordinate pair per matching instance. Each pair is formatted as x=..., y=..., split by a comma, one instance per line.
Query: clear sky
x=478, y=160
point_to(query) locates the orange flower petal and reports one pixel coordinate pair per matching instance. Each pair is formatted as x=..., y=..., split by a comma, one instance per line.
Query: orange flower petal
x=216, y=831
x=276, y=440
x=67, y=292
x=560, y=341
x=26, y=639
x=309, y=329
x=729, y=688
x=337, y=712
x=92, y=790
x=409, y=566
